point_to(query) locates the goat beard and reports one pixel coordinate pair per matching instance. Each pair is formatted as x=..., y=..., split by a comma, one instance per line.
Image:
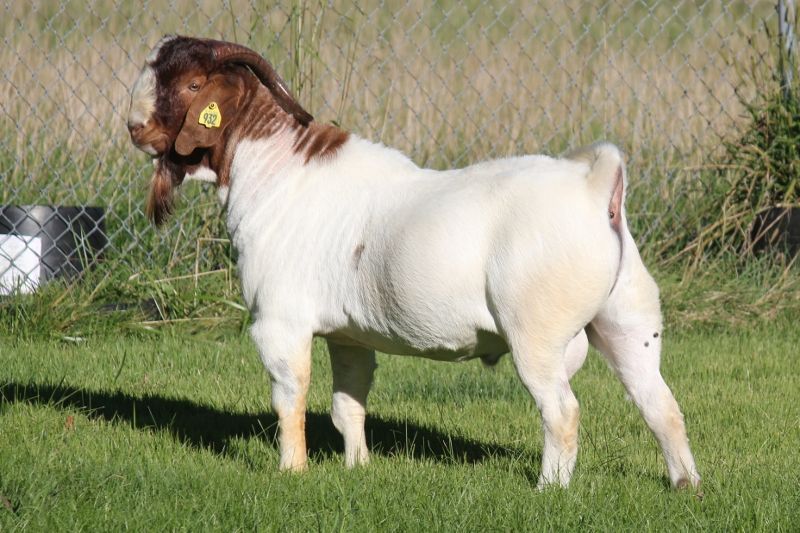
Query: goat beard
x=171, y=169
x=168, y=175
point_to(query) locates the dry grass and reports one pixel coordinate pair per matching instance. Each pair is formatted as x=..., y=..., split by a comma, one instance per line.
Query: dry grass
x=447, y=82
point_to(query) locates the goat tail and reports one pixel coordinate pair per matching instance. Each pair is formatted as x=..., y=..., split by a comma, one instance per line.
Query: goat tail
x=606, y=177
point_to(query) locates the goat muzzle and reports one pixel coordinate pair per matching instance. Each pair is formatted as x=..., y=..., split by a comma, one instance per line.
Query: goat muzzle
x=150, y=140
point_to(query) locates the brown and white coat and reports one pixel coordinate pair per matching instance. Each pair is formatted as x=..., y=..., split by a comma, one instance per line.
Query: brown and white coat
x=350, y=240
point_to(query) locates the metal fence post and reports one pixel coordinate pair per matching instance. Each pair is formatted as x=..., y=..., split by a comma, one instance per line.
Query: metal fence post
x=786, y=36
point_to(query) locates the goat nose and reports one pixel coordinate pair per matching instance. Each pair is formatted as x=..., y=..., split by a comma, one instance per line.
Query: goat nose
x=135, y=129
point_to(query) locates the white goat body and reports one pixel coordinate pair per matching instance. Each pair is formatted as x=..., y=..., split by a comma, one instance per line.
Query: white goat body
x=346, y=239
x=371, y=250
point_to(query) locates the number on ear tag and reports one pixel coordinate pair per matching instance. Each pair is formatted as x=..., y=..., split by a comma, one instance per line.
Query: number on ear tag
x=210, y=117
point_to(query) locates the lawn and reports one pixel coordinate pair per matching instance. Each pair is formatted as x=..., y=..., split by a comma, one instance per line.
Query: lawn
x=173, y=431
x=157, y=417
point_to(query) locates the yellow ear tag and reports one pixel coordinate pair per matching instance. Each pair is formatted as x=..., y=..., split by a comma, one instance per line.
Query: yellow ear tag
x=210, y=117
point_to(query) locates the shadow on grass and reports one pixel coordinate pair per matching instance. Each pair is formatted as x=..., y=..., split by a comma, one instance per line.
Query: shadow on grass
x=205, y=427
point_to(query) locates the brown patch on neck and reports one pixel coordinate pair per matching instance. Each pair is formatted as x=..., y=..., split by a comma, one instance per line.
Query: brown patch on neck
x=319, y=141
x=263, y=116
x=260, y=118
x=218, y=158
x=220, y=162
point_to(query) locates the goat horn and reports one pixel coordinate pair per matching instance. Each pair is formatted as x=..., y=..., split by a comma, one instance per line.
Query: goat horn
x=225, y=52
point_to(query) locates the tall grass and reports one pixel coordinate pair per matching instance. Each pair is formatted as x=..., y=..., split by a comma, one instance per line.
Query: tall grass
x=447, y=82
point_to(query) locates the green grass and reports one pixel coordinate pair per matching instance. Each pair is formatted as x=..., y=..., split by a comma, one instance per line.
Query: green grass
x=174, y=432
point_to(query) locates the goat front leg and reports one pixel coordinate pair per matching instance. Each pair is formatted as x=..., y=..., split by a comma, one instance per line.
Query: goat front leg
x=352, y=378
x=286, y=354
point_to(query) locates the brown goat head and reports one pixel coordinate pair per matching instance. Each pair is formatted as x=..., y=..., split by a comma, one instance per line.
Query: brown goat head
x=212, y=110
x=187, y=94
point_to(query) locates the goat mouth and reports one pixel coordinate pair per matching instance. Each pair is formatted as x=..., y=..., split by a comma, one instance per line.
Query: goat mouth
x=154, y=145
x=149, y=150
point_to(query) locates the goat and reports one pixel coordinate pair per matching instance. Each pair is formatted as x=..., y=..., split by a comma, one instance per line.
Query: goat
x=349, y=240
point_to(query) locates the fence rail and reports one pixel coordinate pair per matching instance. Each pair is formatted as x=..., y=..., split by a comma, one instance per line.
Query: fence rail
x=447, y=82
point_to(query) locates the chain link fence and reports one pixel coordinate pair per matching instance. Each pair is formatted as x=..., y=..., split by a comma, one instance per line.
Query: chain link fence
x=449, y=83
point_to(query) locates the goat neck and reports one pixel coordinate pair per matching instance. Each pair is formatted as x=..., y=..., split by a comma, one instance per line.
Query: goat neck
x=267, y=146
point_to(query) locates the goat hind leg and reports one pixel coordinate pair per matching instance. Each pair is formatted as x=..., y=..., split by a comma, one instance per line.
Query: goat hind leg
x=352, y=377
x=634, y=353
x=544, y=374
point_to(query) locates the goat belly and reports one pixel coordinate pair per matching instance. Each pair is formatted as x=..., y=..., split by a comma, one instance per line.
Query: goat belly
x=480, y=344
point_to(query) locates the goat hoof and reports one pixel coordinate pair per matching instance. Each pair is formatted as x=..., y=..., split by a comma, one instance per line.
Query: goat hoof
x=294, y=468
x=687, y=484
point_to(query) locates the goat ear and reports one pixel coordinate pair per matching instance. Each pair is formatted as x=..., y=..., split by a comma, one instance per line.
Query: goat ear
x=213, y=109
